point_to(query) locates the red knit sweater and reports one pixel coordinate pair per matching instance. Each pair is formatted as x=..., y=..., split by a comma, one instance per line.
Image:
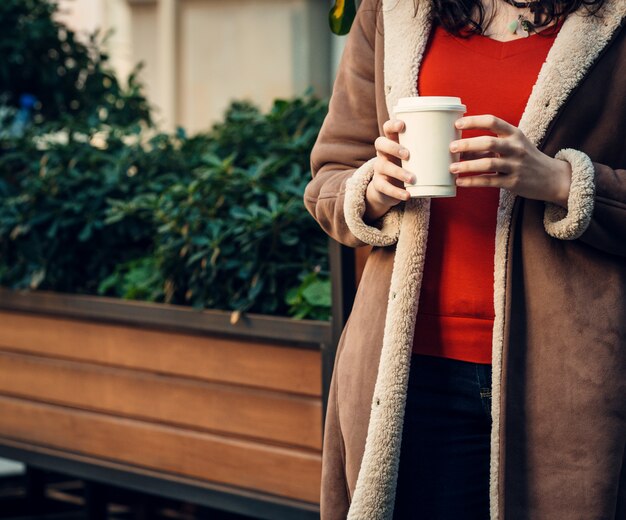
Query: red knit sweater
x=456, y=310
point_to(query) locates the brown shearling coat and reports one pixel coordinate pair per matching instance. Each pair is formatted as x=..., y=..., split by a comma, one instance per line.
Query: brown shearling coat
x=559, y=348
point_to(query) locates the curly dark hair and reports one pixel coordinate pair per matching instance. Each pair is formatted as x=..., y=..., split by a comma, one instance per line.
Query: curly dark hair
x=456, y=15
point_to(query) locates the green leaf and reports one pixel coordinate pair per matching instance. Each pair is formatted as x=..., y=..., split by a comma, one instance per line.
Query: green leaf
x=85, y=233
x=293, y=296
x=318, y=293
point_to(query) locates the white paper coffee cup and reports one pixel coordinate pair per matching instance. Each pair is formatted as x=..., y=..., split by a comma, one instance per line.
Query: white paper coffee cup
x=429, y=130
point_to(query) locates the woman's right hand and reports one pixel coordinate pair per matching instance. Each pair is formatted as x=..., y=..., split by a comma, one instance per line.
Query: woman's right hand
x=386, y=189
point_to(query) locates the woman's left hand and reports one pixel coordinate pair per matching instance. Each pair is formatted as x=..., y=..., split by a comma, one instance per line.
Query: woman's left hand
x=519, y=165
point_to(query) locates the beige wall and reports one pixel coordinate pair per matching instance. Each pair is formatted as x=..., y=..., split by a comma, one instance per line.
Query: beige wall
x=245, y=49
x=82, y=15
x=142, y=45
x=201, y=54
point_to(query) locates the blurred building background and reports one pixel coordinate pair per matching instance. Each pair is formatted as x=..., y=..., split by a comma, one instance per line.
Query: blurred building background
x=199, y=55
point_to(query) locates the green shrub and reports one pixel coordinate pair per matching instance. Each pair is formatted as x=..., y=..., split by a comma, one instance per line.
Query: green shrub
x=89, y=204
x=52, y=216
x=215, y=220
x=234, y=233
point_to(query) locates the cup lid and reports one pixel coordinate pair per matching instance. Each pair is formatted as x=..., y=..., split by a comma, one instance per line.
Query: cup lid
x=428, y=103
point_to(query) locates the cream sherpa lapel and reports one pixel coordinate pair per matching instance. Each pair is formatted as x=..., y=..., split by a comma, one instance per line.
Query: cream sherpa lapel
x=578, y=44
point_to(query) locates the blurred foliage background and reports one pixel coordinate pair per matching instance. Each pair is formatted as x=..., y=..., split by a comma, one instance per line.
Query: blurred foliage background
x=71, y=81
x=94, y=200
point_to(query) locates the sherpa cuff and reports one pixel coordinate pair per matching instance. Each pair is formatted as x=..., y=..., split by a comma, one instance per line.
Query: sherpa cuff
x=385, y=230
x=571, y=223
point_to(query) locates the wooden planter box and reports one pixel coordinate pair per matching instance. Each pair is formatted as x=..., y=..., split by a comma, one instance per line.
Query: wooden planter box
x=166, y=399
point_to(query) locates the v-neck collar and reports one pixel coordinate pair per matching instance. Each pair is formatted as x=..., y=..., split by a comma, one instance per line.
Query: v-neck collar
x=501, y=50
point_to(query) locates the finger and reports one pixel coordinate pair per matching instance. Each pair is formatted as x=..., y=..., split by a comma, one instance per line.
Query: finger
x=486, y=122
x=482, y=144
x=470, y=156
x=487, y=164
x=392, y=170
x=487, y=180
x=392, y=148
x=388, y=191
x=392, y=128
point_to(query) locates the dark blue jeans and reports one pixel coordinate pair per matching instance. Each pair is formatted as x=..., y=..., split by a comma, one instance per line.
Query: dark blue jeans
x=444, y=459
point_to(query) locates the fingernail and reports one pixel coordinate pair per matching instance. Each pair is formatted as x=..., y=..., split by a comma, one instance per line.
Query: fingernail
x=454, y=147
x=404, y=153
x=454, y=167
x=459, y=123
x=410, y=179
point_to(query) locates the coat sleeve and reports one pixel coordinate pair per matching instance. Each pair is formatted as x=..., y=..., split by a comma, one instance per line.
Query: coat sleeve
x=596, y=209
x=343, y=156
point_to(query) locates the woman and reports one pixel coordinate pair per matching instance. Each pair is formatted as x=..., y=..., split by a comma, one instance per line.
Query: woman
x=555, y=227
